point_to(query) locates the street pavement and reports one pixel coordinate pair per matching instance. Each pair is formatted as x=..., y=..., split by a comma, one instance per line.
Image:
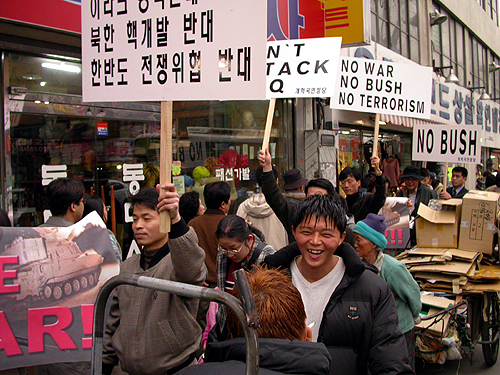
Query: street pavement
x=462, y=367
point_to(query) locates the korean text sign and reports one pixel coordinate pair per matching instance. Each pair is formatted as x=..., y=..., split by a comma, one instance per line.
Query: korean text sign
x=305, y=68
x=173, y=49
x=383, y=87
x=49, y=281
x=447, y=143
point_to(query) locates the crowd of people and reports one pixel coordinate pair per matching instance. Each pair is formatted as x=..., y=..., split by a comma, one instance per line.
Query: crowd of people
x=330, y=301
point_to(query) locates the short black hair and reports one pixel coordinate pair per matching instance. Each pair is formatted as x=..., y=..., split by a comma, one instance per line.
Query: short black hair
x=234, y=226
x=321, y=183
x=462, y=170
x=348, y=171
x=62, y=192
x=322, y=206
x=216, y=193
x=259, y=172
x=424, y=172
x=147, y=197
x=189, y=204
x=93, y=203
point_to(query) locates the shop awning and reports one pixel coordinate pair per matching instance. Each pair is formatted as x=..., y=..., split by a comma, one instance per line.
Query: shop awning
x=408, y=122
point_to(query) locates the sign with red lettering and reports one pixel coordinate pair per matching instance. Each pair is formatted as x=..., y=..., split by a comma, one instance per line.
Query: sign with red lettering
x=49, y=280
x=397, y=219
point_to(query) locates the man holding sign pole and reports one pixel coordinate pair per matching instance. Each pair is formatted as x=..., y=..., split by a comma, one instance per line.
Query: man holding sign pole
x=361, y=205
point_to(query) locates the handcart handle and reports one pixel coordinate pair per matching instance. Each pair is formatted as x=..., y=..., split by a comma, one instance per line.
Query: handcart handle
x=172, y=287
x=247, y=301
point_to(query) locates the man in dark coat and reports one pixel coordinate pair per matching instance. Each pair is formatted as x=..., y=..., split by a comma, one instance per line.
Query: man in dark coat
x=358, y=321
x=284, y=339
x=457, y=188
x=360, y=205
x=416, y=192
x=284, y=208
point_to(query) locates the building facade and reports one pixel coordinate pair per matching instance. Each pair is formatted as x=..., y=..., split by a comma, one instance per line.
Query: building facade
x=49, y=131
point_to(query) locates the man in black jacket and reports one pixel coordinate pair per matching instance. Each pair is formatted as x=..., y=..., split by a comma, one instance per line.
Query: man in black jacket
x=360, y=205
x=457, y=188
x=284, y=339
x=282, y=207
x=358, y=321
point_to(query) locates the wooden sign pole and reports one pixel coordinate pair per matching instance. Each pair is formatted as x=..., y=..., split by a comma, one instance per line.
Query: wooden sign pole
x=375, y=134
x=445, y=177
x=269, y=124
x=165, y=157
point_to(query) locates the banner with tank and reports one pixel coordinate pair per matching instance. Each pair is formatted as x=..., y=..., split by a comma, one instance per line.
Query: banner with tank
x=397, y=219
x=49, y=281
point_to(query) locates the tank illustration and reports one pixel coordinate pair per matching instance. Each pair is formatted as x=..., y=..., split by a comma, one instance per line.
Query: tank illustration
x=52, y=267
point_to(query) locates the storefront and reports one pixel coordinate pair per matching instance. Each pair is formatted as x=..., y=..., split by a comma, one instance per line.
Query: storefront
x=47, y=124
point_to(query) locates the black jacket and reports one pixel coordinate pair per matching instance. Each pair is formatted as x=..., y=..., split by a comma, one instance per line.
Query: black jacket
x=284, y=208
x=276, y=357
x=360, y=322
x=361, y=205
x=424, y=195
x=459, y=195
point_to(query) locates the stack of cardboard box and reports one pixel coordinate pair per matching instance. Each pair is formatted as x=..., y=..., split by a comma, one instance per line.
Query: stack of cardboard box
x=455, y=241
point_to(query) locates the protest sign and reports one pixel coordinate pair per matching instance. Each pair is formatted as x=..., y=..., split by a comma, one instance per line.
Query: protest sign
x=383, y=87
x=447, y=143
x=397, y=219
x=173, y=50
x=304, y=68
x=49, y=281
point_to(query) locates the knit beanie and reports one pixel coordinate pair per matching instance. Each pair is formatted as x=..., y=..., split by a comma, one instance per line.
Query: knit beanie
x=373, y=229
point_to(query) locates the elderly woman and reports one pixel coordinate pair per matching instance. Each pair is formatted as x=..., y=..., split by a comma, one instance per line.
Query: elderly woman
x=369, y=240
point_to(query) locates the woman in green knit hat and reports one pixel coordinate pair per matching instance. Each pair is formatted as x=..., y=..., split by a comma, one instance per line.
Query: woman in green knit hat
x=369, y=237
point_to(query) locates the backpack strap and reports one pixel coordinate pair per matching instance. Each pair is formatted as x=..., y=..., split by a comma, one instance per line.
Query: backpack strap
x=258, y=249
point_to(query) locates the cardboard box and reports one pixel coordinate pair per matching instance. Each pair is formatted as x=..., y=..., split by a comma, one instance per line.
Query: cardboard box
x=478, y=226
x=439, y=228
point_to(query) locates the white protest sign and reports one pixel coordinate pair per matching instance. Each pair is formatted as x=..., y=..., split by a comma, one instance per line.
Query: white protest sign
x=305, y=68
x=447, y=143
x=374, y=86
x=173, y=50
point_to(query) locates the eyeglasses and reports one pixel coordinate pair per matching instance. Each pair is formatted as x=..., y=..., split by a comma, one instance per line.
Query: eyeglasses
x=226, y=251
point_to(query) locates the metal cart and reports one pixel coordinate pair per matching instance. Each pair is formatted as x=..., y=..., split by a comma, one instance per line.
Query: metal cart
x=245, y=310
x=479, y=325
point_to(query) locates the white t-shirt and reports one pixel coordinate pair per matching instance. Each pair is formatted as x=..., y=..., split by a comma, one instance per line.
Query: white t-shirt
x=316, y=295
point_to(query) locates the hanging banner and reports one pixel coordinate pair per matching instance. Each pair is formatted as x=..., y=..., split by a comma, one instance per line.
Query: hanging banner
x=375, y=86
x=447, y=143
x=173, y=50
x=397, y=219
x=304, y=68
x=49, y=281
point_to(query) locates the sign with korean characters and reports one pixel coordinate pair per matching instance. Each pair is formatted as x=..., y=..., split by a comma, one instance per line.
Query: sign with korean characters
x=170, y=50
x=447, y=143
x=305, y=68
x=383, y=87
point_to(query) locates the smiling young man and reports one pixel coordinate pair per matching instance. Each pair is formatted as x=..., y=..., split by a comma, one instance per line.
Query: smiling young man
x=352, y=308
x=150, y=332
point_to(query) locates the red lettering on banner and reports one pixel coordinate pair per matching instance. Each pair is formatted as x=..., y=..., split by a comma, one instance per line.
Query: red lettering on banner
x=7, y=339
x=37, y=328
x=87, y=323
x=12, y=274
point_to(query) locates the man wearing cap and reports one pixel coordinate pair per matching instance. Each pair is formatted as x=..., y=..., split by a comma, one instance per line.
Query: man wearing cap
x=294, y=185
x=416, y=192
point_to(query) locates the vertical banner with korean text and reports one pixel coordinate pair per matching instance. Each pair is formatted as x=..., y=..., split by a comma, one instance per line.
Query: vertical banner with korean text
x=173, y=50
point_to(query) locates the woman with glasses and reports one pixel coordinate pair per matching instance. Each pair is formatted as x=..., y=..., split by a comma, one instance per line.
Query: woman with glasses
x=240, y=246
